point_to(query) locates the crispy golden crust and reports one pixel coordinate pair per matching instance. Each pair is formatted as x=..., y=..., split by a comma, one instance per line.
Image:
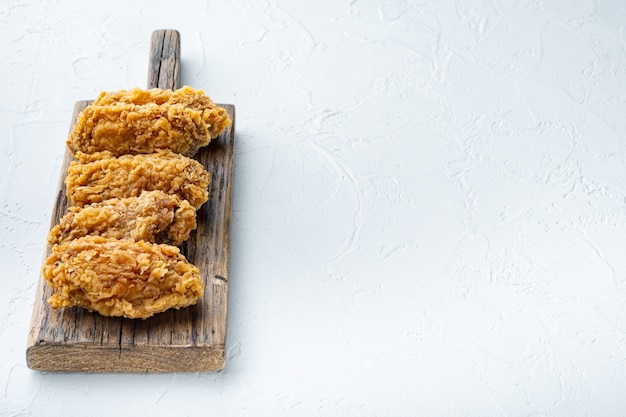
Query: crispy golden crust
x=129, y=129
x=153, y=216
x=142, y=121
x=121, y=277
x=101, y=176
x=215, y=117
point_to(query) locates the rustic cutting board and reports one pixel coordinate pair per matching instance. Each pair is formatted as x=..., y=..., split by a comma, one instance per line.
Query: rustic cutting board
x=187, y=340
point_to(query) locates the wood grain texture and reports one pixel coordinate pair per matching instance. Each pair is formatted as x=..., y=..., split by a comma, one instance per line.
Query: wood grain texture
x=164, y=61
x=188, y=340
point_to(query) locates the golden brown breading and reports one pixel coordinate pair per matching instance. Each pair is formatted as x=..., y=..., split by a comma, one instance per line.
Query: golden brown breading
x=121, y=277
x=142, y=121
x=101, y=176
x=153, y=216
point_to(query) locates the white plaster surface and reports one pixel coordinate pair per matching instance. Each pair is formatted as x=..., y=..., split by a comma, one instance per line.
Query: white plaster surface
x=429, y=212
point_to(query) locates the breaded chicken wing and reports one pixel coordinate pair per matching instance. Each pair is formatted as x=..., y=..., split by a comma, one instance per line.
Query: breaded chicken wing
x=142, y=121
x=153, y=216
x=101, y=176
x=121, y=277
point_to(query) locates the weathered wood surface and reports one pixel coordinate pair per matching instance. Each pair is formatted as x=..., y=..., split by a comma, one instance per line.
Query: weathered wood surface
x=187, y=340
x=164, y=66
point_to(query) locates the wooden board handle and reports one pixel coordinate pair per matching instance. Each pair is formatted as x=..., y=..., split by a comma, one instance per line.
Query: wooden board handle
x=164, y=69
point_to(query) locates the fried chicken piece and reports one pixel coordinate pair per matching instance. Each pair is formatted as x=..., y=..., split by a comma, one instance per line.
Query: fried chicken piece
x=142, y=121
x=121, y=277
x=101, y=176
x=153, y=216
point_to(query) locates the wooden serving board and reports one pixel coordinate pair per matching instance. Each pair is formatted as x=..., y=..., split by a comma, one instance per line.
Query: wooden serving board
x=187, y=340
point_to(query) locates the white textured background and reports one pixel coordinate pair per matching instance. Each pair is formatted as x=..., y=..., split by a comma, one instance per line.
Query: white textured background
x=429, y=205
